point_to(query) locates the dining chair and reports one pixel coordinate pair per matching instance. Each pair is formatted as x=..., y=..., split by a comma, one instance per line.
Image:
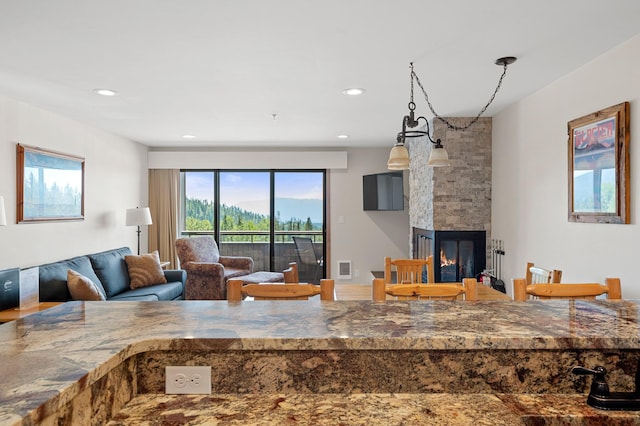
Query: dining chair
x=535, y=274
x=280, y=291
x=523, y=291
x=291, y=273
x=432, y=291
x=409, y=271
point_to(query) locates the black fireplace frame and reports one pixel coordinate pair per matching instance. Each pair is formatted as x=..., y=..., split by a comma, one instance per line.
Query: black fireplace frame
x=428, y=242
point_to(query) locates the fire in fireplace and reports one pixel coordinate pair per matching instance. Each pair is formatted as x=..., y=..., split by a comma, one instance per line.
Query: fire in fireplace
x=456, y=254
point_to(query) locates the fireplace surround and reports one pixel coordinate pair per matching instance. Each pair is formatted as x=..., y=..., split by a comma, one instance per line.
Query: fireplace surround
x=456, y=254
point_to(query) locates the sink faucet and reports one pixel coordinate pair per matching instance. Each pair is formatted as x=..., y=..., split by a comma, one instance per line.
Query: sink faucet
x=600, y=397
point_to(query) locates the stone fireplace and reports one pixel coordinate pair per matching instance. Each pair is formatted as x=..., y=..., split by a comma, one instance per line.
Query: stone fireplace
x=456, y=254
x=454, y=199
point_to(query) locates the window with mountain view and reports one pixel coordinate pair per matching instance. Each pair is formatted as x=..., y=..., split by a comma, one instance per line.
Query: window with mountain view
x=198, y=194
x=299, y=201
x=255, y=213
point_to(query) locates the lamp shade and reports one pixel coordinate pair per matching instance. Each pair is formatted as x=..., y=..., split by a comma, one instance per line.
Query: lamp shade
x=398, y=158
x=438, y=157
x=3, y=216
x=138, y=217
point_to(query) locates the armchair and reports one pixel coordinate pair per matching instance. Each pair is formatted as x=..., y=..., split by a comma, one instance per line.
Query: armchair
x=207, y=271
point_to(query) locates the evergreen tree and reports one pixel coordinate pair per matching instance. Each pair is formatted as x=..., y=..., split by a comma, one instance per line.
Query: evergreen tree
x=199, y=216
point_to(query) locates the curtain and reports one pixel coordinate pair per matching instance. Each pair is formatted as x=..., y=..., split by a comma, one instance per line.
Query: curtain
x=163, y=203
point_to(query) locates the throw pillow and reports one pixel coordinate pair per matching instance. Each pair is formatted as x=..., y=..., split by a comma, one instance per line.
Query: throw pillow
x=82, y=288
x=145, y=270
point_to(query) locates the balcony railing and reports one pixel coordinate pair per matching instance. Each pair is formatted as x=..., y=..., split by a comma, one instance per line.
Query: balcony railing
x=316, y=236
x=255, y=244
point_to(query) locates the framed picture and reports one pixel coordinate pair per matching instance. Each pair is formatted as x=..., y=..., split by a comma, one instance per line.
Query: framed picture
x=599, y=166
x=50, y=185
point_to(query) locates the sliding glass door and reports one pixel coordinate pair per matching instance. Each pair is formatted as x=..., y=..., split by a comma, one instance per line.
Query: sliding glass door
x=257, y=214
x=299, y=216
x=245, y=218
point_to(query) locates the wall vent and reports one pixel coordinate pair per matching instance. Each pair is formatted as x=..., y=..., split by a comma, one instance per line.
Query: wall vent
x=344, y=269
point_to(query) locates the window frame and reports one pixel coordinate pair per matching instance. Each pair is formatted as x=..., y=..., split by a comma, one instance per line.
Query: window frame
x=272, y=231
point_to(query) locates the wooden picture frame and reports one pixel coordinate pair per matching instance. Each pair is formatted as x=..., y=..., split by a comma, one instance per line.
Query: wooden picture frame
x=50, y=185
x=599, y=166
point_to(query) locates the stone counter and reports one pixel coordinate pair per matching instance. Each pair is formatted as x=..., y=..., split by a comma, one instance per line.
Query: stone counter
x=366, y=410
x=83, y=361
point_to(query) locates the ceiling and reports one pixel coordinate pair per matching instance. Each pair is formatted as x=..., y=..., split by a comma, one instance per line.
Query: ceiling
x=221, y=69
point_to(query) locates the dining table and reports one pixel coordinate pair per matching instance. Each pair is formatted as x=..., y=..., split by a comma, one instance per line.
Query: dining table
x=363, y=291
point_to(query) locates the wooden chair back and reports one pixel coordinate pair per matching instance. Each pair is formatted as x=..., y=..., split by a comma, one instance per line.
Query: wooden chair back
x=523, y=291
x=279, y=291
x=432, y=291
x=536, y=275
x=408, y=271
x=291, y=273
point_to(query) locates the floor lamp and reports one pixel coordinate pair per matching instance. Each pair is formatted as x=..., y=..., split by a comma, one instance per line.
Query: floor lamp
x=138, y=217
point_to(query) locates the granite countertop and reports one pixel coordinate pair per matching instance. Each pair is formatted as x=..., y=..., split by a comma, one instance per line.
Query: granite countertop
x=51, y=352
x=366, y=410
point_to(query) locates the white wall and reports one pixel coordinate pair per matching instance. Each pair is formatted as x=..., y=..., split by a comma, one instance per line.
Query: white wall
x=530, y=177
x=115, y=179
x=364, y=237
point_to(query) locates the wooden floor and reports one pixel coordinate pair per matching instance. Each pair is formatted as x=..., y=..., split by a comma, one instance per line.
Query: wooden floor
x=17, y=313
x=363, y=292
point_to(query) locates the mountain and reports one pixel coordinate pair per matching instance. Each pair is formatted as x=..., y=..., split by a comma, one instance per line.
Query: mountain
x=298, y=208
x=583, y=191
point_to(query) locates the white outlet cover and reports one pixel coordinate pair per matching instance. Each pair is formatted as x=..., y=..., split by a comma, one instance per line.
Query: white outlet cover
x=187, y=380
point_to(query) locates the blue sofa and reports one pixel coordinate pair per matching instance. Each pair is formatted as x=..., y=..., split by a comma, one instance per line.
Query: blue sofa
x=109, y=270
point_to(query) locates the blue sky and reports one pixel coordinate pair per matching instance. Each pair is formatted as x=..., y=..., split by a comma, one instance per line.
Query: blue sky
x=238, y=187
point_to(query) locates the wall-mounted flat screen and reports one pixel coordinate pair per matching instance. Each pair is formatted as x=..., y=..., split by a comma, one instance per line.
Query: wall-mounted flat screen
x=383, y=191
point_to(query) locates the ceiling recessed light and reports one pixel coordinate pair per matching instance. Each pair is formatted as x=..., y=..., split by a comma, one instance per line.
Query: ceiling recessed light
x=105, y=92
x=353, y=91
x=188, y=136
x=343, y=136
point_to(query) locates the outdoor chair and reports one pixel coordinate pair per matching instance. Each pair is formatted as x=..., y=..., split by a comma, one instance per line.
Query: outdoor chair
x=308, y=257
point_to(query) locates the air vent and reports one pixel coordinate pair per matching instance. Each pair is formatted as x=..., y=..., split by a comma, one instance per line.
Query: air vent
x=344, y=269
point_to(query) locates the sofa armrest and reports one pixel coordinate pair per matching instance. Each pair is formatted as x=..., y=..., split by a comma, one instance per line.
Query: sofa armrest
x=173, y=275
x=205, y=281
x=237, y=262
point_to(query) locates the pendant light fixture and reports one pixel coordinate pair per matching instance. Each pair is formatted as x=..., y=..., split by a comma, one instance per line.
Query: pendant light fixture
x=399, y=156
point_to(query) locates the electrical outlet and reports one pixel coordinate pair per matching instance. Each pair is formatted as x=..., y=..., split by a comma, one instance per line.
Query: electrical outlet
x=187, y=379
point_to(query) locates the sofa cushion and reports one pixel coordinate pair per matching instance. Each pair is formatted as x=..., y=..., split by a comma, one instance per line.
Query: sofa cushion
x=82, y=288
x=262, y=277
x=53, y=278
x=178, y=275
x=145, y=270
x=234, y=272
x=112, y=270
x=125, y=297
x=168, y=291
